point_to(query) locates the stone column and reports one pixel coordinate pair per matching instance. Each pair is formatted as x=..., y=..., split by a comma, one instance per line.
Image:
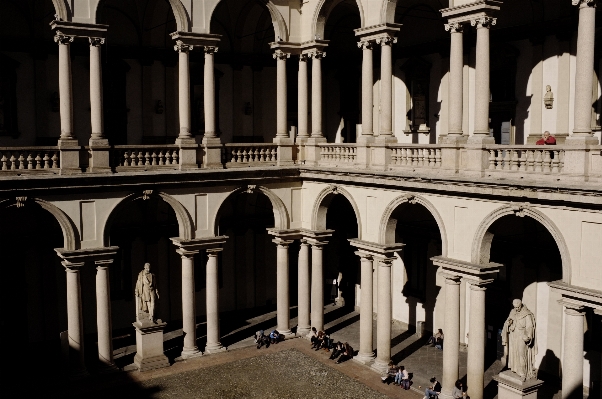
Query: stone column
x=183, y=88
x=386, y=88
x=209, y=92
x=103, y=314
x=316, y=93
x=213, y=336
x=572, y=353
x=476, y=347
x=282, y=292
x=366, y=352
x=75, y=321
x=317, y=286
x=65, y=91
x=189, y=304
x=384, y=315
x=584, y=74
x=456, y=75
x=96, y=89
x=303, y=292
x=367, y=91
x=281, y=94
x=303, y=98
x=482, y=90
x=451, y=350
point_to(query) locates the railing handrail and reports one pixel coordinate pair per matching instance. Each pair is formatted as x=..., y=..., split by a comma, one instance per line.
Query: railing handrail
x=31, y=148
x=413, y=145
x=251, y=145
x=349, y=145
x=144, y=146
x=526, y=147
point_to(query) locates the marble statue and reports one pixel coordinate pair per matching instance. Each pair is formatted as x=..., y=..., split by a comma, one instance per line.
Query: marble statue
x=548, y=98
x=146, y=293
x=518, y=338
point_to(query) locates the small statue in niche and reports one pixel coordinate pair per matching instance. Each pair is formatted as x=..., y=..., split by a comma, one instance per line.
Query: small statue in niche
x=518, y=338
x=146, y=294
x=548, y=98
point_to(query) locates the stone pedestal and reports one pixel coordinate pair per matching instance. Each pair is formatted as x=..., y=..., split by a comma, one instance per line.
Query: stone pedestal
x=149, y=346
x=510, y=386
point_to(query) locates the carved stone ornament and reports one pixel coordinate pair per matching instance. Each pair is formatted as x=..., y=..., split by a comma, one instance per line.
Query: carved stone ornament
x=281, y=55
x=96, y=41
x=519, y=209
x=411, y=199
x=251, y=189
x=386, y=40
x=548, y=98
x=210, y=49
x=303, y=57
x=585, y=2
x=181, y=47
x=334, y=190
x=146, y=194
x=60, y=38
x=454, y=27
x=21, y=201
x=365, y=44
x=316, y=54
x=483, y=22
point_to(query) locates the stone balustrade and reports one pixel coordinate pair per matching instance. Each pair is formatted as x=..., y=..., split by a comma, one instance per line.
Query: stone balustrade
x=30, y=159
x=532, y=159
x=145, y=157
x=338, y=154
x=246, y=154
x=415, y=155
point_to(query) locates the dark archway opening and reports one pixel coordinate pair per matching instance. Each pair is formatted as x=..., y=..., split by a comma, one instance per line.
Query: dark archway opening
x=32, y=291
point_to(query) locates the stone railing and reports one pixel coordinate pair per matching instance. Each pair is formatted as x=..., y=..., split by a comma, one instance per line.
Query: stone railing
x=248, y=154
x=415, y=155
x=527, y=159
x=145, y=157
x=338, y=154
x=30, y=159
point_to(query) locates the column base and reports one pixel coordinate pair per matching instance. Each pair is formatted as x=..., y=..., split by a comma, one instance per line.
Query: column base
x=189, y=354
x=107, y=368
x=382, y=366
x=151, y=363
x=364, y=358
x=214, y=348
x=69, y=156
x=212, y=153
x=511, y=386
x=303, y=331
x=149, y=346
x=385, y=139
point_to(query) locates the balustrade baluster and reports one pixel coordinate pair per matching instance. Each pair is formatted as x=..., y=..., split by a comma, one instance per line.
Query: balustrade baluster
x=513, y=161
x=546, y=162
x=4, y=161
x=175, y=157
x=55, y=160
x=13, y=162
x=530, y=161
x=499, y=160
x=560, y=161
x=438, y=158
x=491, y=159
x=30, y=164
x=154, y=158
x=538, y=161
x=431, y=158
x=522, y=161
x=555, y=162
x=161, y=158
x=46, y=160
x=274, y=154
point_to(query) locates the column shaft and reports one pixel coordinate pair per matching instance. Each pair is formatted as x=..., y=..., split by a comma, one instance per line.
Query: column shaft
x=386, y=87
x=367, y=89
x=184, y=90
x=456, y=84
x=103, y=315
x=65, y=92
x=572, y=354
x=96, y=90
x=584, y=74
x=481, y=118
x=282, y=295
x=316, y=95
x=303, y=97
x=366, y=309
x=451, y=351
x=303, y=291
x=317, y=288
x=384, y=314
x=281, y=95
x=209, y=93
x=213, y=337
x=476, y=346
x=188, y=306
x=75, y=322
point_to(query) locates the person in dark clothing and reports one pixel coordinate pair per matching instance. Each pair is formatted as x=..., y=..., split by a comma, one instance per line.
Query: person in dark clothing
x=316, y=341
x=347, y=353
x=337, y=350
x=436, y=385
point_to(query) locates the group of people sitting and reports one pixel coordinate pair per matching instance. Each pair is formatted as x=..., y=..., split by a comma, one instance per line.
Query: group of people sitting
x=398, y=374
x=340, y=351
x=272, y=338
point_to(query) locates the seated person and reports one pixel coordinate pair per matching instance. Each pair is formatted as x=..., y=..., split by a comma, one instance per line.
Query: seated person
x=326, y=343
x=433, y=339
x=313, y=335
x=546, y=139
x=430, y=394
x=398, y=376
x=317, y=341
x=391, y=372
x=347, y=353
x=436, y=385
x=458, y=392
x=259, y=338
x=405, y=378
x=337, y=350
x=274, y=337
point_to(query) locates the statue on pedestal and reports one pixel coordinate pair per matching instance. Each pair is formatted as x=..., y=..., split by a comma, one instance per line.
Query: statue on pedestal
x=146, y=294
x=518, y=338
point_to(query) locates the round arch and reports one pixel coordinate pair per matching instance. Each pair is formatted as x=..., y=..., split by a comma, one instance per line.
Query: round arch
x=322, y=12
x=180, y=14
x=482, y=239
x=318, y=218
x=70, y=235
x=281, y=218
x=62, y=9
x=386, y=234
x=185, y=224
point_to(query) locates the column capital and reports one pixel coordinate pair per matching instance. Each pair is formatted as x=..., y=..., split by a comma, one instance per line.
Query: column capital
x=214, y=251
x=474, y=272
x=386, y=40
x=182, y=47
x=193, y=246
x=303, y=57
x=366, y=44
x=72, y=267
x=377, y=250
x=86, y=255
x=282, y=242
x=483, y=21
x=572, y=308
x=281, y=55
x=454, y=27
x=96, y=41
x=364, y=255
x=384, y=261
x=451, y=279
x=210, y=49
x=103, y=264
x=185, y=253
x=316, y=54
x=584, y=3
x=478, y=285
x=61, y=38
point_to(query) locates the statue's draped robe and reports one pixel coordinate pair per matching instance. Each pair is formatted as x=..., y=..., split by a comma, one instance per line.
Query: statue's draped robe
x=145, y=287
x=520, y=338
